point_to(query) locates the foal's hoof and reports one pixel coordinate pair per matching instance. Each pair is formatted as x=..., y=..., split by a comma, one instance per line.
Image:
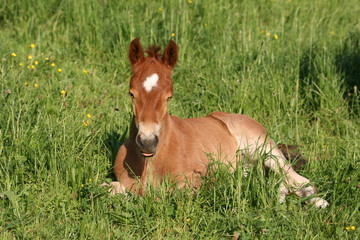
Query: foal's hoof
x=319, y=202
x=114, y=188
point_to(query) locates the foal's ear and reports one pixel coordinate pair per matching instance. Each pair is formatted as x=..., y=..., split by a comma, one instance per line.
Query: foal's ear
x=136, y=52
x=170, y=55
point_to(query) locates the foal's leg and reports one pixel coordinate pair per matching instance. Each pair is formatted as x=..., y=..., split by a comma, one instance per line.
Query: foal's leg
x=293, y=181
x=114, y=187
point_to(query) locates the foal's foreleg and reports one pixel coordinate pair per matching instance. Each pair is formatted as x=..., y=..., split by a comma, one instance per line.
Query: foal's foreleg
x=293, y=182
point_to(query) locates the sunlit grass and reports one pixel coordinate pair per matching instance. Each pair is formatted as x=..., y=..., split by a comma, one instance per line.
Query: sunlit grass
x=64, y=111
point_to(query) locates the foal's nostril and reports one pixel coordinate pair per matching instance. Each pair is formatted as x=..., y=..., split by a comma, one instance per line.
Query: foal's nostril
x=138, y=141
x=156, y=141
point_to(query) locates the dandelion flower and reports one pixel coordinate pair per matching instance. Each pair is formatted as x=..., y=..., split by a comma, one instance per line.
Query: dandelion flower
x=36, y=62
x=13, y=54
x=88, y=115
x=90, y=180
x=262, y=32
x=276, y=36
x=188, y=219
x=59, y=70
x=52, y=64
x=36, y=85
x=82, y=185
x=352, y=228
x=21, y=64
x=31, y=67
x=173, y=35
x=63, y=92
x=47, y=59
x=160, y=9
x=29, y=57
x=190, y=1
x=32, y=45
x=85, y=71
x=25, y=83
x=268, y=34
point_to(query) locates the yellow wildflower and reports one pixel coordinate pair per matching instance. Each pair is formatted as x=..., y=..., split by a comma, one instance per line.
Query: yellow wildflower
x=276, y=36
x=13, y=54
x=88, y=115
x=47, y=59
x=86, y=123
x=25, y=83
x=59, y=70
x=31, y=67
x=63, y=92
x=85, y=71
x=332, y=33
x=29, y=57
x=36, y=62
x=90, y=180
x=160, y=9
x=190, y=1
x=262, y=31
x=36, y=85
x=32, y=45
x=82, y=185
x=21, y=64
x=188, y=219
x=350, y=228
x=268, y=34
x=173, y=35
x=52, y=64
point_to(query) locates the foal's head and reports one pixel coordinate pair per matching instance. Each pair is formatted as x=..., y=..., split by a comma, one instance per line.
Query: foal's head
x=151, y=89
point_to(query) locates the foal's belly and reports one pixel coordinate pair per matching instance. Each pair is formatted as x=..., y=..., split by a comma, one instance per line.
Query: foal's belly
x=201, y=139
x=197, y=141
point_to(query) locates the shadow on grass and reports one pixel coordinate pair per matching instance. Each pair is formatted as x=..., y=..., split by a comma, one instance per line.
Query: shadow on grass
x=309, y=78
x=113, y=141
x=347, y=62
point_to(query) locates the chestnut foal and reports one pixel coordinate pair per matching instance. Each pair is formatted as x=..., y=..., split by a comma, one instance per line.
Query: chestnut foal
x=161, y=145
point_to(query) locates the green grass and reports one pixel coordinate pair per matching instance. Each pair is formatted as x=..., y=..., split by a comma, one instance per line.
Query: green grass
x=303, y=87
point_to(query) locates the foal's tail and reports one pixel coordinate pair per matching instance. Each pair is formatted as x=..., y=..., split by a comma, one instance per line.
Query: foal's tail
x=293, y=155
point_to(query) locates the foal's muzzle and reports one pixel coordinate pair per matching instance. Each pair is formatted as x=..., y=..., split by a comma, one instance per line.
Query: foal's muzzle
x=147, y=144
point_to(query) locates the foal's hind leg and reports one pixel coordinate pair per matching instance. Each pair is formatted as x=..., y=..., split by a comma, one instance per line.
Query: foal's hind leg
x=251, y=136
x=293, y=182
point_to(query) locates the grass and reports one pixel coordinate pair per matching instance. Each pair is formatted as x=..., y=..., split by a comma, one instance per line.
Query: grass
x=302, y=86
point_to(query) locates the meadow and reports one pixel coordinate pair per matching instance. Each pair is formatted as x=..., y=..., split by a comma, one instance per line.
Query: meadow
x=64, y=111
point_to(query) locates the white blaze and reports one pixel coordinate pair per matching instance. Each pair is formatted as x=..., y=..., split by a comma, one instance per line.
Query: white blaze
x=151, y=82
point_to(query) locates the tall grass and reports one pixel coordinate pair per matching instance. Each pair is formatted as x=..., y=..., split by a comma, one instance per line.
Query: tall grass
x=292, y=65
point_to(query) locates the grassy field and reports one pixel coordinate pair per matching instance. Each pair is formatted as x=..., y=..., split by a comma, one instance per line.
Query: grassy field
x=64, y=111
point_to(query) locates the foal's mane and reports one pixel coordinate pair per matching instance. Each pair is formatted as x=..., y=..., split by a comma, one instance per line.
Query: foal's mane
x=153, y=51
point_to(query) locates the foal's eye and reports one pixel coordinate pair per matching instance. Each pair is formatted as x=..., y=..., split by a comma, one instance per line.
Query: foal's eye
x=168, y=99
x=131, y=95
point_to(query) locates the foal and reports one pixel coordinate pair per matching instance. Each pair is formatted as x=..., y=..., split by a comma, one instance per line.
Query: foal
x=161, y=145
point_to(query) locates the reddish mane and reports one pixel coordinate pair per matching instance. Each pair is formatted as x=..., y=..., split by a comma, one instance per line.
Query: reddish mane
x=153, y=51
